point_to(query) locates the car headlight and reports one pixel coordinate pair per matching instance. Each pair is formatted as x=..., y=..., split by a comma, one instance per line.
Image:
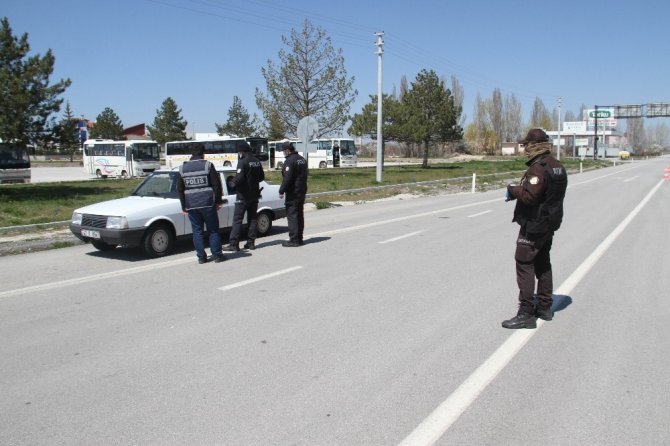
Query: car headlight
x=76, y=218
x=117, y=223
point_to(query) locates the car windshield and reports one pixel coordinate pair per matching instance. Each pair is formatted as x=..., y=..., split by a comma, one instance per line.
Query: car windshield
x=158, y=184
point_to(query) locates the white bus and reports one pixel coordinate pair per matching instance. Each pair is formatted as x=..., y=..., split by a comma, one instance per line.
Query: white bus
x=328, y=152
x=14, y=163
x=132, y=158
x=339, y=152
x=222, y=152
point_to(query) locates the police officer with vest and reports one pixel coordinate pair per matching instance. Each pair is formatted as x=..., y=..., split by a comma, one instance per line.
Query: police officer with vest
x=294, y=185
x=539, y=212
x=201, y=196
x=246, y=183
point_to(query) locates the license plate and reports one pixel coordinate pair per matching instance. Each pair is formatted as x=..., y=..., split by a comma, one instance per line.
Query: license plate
x=89, y=233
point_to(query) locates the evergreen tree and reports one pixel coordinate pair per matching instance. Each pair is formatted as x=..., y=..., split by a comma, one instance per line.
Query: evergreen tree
x=276, y=130
x=65, y=133
x=27, y=101
x=429, y=113
x=168, y=123
x=238, y=123
x=108, y=126
x=310, y=81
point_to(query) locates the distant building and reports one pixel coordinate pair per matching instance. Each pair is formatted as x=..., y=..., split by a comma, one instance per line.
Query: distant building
x=138, y=131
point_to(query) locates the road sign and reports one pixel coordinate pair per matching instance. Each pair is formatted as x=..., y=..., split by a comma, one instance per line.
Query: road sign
x=308, y=129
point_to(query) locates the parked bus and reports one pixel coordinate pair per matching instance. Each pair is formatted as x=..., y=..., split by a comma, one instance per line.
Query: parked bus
x=277, y=152
x=132, y=158
x=339, y=152
x=222, y=152
x=14, y=163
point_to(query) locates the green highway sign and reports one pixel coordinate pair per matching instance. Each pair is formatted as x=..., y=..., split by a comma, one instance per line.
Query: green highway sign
x=607, y=113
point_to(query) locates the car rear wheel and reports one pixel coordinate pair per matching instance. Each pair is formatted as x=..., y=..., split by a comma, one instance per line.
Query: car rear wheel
x=102, y=246
x=158, y=240
x=322, y=165
x=264, y=223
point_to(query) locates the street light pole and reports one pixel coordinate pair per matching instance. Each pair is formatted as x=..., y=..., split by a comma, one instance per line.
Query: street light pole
x=380, y=159
x=558, y=149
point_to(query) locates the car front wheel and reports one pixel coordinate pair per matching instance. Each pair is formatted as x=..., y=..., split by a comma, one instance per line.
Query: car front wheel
x=158, y=240
x=264, y=223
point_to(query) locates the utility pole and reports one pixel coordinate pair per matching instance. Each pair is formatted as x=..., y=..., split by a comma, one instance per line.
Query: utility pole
x=558, y=149
x=380, y=155
x=595, y=134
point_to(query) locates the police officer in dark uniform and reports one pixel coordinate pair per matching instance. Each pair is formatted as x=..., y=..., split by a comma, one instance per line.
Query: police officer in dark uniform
x=539, y=212
x=246, y=183
x=201, y=196
x=294, y=185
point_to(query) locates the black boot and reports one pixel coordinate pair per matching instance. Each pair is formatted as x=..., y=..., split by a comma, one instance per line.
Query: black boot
x=250, y=244
x=546, y=314
x=521, y=320
x=231, y=247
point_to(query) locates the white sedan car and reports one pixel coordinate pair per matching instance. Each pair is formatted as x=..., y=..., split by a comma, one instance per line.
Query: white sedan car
x=151, y=216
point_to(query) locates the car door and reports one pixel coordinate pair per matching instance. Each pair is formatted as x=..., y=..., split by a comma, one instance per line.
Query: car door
x=228, y=209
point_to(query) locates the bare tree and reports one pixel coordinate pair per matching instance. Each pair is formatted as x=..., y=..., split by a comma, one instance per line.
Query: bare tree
x=310, y=80
x=512, y=116
x=635, y=133
x=540, y=116
x=495, y=110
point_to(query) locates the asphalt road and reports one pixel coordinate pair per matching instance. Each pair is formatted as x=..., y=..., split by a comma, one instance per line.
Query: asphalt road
x=384, y=328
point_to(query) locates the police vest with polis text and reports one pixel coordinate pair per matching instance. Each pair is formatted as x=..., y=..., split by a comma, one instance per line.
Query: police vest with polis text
x=198, y=192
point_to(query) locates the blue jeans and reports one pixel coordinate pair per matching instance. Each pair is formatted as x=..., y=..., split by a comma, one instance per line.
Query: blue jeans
x=199, y=218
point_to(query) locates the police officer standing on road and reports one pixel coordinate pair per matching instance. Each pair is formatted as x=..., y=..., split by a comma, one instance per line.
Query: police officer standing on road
x=201, y=196
x=539, y=212
x=246, y=183
x=294, y=185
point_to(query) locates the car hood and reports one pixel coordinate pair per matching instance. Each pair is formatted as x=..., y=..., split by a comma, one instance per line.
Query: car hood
x=127, y=206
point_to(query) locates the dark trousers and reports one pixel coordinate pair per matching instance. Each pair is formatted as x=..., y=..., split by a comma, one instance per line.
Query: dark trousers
x=296, y=218
x=251, y=209
x=199, y=218
x=533, y=262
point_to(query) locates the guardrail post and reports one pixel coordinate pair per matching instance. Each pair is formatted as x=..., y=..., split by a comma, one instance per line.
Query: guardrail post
x=474, y=181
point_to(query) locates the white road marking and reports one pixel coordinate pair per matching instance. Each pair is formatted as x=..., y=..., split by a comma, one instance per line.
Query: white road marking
x=95, y=277
x=259, y=278
x=400, y=237
x=630, y=179
x=446, y=414
x=481, y=213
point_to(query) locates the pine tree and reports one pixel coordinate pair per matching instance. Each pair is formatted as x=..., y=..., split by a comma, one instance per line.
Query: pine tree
x=238, y=123
x=108, y=126
x=27, y=101
x=168, y=123
x=310, y=81
x=65, y=133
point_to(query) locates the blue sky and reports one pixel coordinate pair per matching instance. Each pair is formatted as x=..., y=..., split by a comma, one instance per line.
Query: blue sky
x=132, y=54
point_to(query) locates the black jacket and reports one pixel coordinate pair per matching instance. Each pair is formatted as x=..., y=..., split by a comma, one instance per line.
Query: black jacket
x=294, y=184
x=246, y=182
x=539, y=207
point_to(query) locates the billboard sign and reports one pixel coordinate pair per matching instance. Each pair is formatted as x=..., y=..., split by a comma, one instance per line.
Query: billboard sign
x=605, y=117
x=577, y=127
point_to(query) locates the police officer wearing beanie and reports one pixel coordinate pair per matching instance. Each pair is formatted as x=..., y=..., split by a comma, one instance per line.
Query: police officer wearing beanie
x=294, y=185
x=539, y=212
x=201, y=196
x=247, y=185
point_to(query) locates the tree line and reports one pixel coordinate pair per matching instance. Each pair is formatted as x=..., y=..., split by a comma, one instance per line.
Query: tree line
x=309, y=78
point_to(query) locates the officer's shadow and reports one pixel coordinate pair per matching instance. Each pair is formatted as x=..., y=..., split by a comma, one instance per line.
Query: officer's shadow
x=308, y=241
x=560, y=302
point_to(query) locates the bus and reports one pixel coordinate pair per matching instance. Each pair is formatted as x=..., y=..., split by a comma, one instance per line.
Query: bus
x=14, y=163
x=277, y=152
x=222, y=152
x=339, y=152
x=132, y=158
